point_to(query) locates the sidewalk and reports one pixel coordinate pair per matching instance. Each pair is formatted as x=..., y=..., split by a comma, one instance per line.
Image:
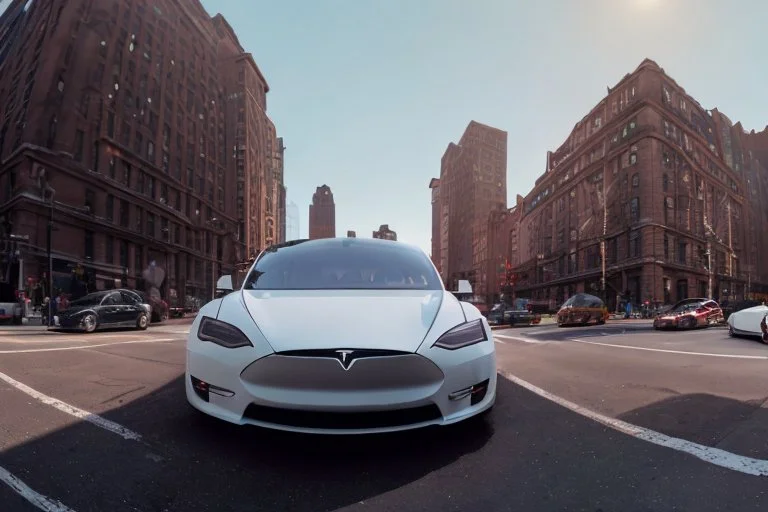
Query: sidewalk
x=37, y=326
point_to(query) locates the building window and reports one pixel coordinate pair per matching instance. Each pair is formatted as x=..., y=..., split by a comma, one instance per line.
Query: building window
x=665, y=182
x=112, y=168
x=151, y=151
x=78, y=152
x=164, y=229
x=635, y=180
x=634, y=209
x=634, y=244
x=632, y=158
x=89, y=245
x=574, y=235
x=666, y=248
x=164, y=193
x=124, y=255
x=52, y=131
x=138, y=143
x=124, y=213
x=111, y=125
x=138, y=256
x=90, y=201
x=139, y=219
x=150, y=225
x=110, y=207
x=126, y=174
x=151, y=186
x=682, y=252
x=140, y=181
x=95, y=157
x=190, y=177
x=109, y=250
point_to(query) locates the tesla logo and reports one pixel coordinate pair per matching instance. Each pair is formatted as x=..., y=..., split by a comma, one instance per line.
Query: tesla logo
x=345, y=358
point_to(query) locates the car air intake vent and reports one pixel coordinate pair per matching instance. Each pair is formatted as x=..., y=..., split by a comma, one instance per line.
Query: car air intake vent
x=342, y=420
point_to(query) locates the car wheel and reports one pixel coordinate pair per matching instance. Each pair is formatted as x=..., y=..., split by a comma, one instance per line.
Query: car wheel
x=730, y=332
x=164, y=317
x=89, y=322
x=687, y=323
x=142, y=322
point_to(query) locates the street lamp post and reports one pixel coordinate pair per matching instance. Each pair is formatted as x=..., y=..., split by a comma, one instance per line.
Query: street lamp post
x=50, y=257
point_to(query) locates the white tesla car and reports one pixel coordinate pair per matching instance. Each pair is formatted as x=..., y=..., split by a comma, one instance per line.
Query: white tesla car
x=341, y=335
x=749, y=322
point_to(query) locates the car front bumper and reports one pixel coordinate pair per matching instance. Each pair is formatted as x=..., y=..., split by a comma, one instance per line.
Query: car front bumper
x=375, y=395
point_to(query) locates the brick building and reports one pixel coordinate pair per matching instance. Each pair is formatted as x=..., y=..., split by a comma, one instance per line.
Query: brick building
x=141, y=128
x=662, y=181
x=503, y=227
x=322, y=214
x=472, y=184
x=385, y=233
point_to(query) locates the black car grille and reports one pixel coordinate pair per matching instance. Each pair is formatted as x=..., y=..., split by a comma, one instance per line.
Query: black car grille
x=342, y=420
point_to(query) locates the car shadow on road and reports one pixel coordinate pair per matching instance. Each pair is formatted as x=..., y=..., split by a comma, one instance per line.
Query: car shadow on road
x=189, y=461
x=710, y=420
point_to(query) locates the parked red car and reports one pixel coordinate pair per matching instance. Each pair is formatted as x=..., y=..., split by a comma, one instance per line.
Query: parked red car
x=690, y=314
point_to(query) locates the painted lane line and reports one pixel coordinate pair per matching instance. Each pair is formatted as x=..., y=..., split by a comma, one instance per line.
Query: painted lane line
x=42, y=502
x=499, y=342
x=67, y=339
x=707, y=354
x=64, y=407
x=716, y=456
x=85, y=347
x=519, y=338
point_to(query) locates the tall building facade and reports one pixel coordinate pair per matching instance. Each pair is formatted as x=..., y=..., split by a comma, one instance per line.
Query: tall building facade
x=434, y=186
x=385, y=233
x=322, y=214
x=672, y=194
x=292, y=222
x=472, y=184
x=503, y=250
x=140, y=130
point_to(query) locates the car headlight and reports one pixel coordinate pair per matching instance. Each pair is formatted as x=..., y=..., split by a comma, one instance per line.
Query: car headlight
x=222, y=333
x=462, y=335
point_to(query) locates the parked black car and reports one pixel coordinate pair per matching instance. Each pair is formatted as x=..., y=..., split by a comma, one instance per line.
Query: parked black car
x=105, y=309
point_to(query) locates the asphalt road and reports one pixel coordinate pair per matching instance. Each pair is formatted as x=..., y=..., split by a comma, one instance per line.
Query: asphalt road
x=532, y=453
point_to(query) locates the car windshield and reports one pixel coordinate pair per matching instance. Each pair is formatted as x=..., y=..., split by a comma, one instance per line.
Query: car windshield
x=92, y=299
x=584, y=300
x=343, y=264
x=682, y=307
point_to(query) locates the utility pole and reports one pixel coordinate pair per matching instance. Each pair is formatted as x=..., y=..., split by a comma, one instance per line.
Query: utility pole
x=709, y=268
x=50, y=258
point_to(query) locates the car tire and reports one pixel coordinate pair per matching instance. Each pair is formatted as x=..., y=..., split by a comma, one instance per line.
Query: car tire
x=730, y=332
x=164, y=317
x=89, y=323
x=142, y=322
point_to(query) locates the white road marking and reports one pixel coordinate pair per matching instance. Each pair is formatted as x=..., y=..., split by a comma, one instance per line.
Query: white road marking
x=518, y=338
x=66, y=338
x=716, y=456
x=42, y=502
x=499, y=341
x=707, y=354
x=85, y=347
x=97, y=420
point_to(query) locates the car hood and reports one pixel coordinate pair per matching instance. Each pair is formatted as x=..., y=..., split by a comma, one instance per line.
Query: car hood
x=325, y=319
x=73, y=310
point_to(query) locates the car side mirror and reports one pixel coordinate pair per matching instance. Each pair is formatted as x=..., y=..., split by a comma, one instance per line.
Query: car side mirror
x=224, y=285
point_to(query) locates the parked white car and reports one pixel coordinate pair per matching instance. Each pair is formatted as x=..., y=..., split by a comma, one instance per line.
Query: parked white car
x=749, y=322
